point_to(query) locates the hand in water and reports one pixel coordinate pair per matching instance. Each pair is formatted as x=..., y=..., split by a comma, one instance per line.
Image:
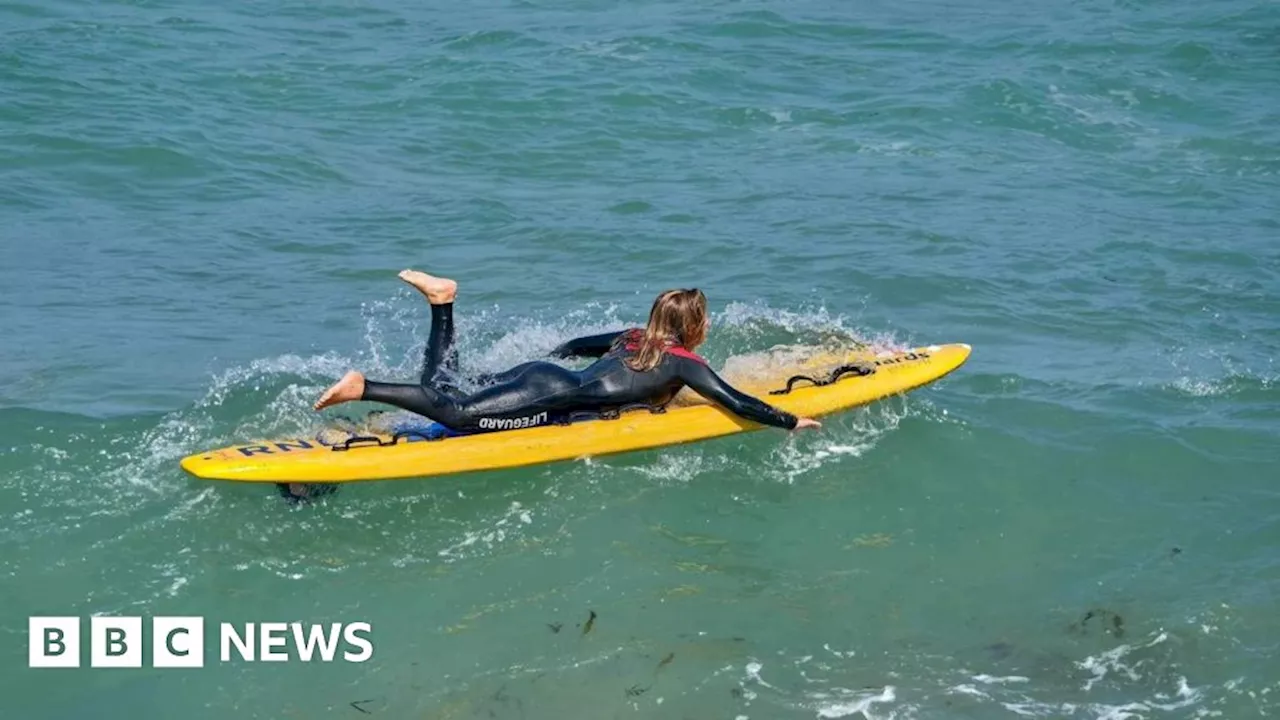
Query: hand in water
x=803, y=423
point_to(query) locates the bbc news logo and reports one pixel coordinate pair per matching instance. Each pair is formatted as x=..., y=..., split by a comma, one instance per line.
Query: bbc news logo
x=178, y=642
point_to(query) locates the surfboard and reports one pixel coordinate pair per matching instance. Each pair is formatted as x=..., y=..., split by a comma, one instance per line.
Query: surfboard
x=812, y=386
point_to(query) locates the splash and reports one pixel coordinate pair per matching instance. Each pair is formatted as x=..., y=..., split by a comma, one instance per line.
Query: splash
x=1143, y=679
x=748, y=325
x=254, y=377
x=844, y=703
x=1113, y=661
x=845, y=437
x=832, y=702
x=506, y=528
x=1214, y=372
x=678, y=467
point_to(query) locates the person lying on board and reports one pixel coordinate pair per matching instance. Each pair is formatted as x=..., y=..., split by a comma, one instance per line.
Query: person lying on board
x=646, y=366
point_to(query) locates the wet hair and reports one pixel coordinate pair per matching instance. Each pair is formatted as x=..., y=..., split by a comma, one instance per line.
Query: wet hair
x=678, y=317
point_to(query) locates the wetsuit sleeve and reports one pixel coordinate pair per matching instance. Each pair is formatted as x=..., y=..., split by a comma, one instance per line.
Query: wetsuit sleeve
x=589, y=346
x=704, y=381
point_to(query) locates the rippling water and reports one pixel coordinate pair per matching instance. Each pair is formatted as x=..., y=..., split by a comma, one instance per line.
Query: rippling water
x=205, y=206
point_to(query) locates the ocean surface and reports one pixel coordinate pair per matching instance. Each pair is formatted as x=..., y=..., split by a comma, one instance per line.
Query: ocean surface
x=203, y=208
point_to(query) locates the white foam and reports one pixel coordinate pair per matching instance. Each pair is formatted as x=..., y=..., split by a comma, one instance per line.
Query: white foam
x=850, y=436
x=991, y=679
x=859, y=704
x=839, y=653
x=753, y=674
x=506, y=526
x=1113, y=661
x=969, y=690
x=678, y=466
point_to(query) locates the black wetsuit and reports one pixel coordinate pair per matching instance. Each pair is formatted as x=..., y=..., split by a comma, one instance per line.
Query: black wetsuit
x=539, y=392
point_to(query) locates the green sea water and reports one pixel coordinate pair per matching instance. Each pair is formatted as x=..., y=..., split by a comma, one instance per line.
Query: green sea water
x=203, y=207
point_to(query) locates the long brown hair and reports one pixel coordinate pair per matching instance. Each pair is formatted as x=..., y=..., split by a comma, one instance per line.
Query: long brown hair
x=678, y=317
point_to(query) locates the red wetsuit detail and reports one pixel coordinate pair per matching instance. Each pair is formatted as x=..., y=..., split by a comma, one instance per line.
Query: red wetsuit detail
x=633, y=337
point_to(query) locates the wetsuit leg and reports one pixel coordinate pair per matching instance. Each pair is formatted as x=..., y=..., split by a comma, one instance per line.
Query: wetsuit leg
x=440, y=354
x=440, y=358
x=534, y=397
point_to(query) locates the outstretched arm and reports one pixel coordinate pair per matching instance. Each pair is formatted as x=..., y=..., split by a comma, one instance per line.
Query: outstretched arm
x=589, y=346
x=708, y=384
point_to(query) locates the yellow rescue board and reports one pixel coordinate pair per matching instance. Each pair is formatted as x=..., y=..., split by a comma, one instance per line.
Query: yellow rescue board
x=315, y=459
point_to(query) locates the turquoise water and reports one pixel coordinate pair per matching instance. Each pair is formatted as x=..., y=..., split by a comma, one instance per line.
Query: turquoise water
x=205, y=204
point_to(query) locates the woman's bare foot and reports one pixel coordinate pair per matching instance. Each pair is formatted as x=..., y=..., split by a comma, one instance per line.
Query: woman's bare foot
x=348, y=389
x=439, y=291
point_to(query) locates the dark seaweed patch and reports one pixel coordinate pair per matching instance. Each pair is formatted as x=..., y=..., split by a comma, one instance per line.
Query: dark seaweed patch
x=1112, y=623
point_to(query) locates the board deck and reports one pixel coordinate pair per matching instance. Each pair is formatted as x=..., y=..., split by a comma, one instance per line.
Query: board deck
x=332, y=456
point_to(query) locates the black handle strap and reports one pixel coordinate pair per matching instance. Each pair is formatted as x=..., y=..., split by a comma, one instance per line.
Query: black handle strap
x=860, y=369
x=374, y=441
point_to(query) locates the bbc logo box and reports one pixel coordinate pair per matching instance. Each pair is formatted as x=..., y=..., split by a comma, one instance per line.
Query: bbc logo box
x=115, y=642
x=179, y=642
